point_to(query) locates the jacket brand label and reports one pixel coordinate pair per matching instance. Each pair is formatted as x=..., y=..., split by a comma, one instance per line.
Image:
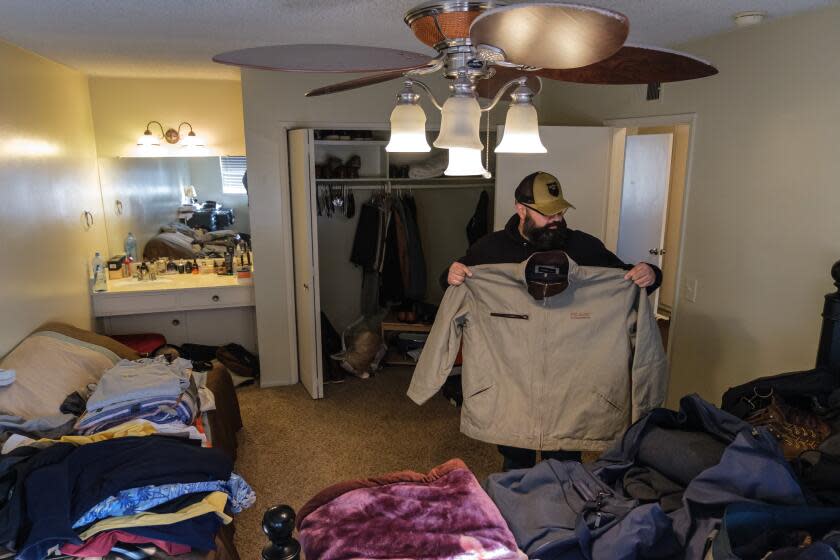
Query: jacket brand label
x=580, y=315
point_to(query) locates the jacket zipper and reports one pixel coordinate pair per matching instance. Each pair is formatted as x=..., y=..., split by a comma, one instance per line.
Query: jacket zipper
x=509, y=316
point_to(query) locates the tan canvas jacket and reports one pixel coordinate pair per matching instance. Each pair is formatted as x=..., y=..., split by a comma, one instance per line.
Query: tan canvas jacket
x=571, y=371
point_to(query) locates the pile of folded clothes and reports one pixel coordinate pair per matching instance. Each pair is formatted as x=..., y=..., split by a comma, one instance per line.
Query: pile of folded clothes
x=155, y=390
x=138, y=494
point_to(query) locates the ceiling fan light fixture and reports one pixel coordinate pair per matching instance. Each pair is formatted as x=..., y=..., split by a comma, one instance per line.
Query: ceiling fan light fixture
x=460, y=124
x=464, y=162
x=522, y=130
x=408, y=124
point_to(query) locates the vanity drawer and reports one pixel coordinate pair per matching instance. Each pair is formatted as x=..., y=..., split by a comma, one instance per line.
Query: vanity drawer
x=105, y=304
x=211, y=298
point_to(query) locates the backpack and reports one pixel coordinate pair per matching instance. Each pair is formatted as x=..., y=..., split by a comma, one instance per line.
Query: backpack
x=239, y=360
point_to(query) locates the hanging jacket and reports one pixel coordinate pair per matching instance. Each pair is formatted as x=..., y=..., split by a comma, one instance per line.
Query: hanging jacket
x=508, y=246
x=479, y=224
x=570, y=371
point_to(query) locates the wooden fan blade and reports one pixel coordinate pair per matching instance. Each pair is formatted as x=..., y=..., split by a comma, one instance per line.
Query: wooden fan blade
x=488, y=88
x=551, y=35
x=635, y=64
x=357, y=83
x=323, y=58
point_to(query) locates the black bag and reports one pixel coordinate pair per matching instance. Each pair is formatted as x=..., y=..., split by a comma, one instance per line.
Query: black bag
x=807, y=390
x=330, y=344
x=197, y=352
x=238, y=360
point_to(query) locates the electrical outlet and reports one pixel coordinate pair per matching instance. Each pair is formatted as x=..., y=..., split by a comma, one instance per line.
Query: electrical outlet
x=691, y=289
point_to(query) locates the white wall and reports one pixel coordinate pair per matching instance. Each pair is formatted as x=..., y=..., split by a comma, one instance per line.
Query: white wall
x=48, y=177
x=761, y=225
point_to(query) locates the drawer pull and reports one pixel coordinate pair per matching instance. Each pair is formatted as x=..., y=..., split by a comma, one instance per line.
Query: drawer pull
x=215, y=298
x=175, y=322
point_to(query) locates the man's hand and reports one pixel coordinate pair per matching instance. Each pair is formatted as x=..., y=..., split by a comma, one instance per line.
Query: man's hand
x=642, y=274
x=458, y=272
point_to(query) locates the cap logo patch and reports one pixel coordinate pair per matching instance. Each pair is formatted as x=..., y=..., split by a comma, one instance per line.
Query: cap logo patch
x=553, y=188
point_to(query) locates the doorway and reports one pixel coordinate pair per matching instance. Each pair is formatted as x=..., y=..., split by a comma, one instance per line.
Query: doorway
x=650, y=214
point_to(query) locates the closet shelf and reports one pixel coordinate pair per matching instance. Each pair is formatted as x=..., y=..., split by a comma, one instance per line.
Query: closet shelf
x=404, y=181
x=351, y=142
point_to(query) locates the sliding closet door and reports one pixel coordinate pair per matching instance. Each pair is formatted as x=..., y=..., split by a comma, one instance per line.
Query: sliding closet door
x=305, y=247
x=580, y=157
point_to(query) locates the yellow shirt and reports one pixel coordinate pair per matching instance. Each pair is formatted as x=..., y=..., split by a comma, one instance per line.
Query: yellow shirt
x=129, y=429
x=213, y=502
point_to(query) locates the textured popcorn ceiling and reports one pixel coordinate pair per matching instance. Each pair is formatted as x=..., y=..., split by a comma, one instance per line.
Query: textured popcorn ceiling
x=177, y=38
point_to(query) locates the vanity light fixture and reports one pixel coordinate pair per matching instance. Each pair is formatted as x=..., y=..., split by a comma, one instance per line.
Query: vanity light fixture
x=171, y=135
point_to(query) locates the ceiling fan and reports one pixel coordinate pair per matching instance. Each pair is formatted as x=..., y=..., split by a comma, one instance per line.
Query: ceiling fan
x=486, y=48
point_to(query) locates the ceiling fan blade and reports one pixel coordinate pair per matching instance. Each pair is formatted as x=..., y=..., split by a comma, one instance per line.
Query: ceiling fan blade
x=357, y=83
x=634, y=64
x=323, y=58
x=550, y=35
x=488, y=88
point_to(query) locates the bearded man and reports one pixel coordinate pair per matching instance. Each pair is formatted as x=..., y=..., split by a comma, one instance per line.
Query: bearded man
x=539, y=225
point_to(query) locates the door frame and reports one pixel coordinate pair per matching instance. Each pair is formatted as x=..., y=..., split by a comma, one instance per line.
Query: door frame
x=615, y=189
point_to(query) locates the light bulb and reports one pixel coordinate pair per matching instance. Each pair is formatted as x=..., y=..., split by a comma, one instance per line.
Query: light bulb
x=408, y=129
x=522, y=131
x=192, y=140
x=463, y=162
x=148, y=139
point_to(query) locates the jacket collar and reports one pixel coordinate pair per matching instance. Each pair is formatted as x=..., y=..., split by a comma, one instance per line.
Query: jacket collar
x=541, y=291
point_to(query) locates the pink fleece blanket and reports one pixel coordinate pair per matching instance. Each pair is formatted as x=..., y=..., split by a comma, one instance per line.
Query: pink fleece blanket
x=444, y=514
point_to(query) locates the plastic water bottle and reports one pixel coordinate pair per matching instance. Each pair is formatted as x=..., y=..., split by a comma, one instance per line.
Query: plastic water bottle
x=100, y=282
x=131, y=246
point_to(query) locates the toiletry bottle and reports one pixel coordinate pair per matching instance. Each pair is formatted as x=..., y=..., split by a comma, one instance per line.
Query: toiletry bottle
x=171, y=267
x=229, y=262
x=195, y=269
x=127, y=267
x=188, y=267
x=182, y=268
x=131, y=246
x=100, y=280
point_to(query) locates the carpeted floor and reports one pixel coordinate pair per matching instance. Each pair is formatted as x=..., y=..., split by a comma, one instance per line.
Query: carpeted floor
x=292, y=446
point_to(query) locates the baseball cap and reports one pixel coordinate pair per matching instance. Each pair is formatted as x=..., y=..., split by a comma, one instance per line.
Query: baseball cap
x=542, y=192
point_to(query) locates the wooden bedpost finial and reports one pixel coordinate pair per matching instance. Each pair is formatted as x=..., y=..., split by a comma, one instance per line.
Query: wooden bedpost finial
x=279, y=524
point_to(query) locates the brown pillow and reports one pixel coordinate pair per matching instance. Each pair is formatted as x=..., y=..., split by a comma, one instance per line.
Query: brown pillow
x=90, y=337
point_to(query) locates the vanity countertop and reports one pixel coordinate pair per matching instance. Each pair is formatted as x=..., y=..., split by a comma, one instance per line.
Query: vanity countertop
x=174, y=282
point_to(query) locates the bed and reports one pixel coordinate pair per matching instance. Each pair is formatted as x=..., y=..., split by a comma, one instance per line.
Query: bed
x=32, y=395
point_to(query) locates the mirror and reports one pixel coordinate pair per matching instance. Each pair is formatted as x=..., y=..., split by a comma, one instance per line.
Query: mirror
x=141, y=195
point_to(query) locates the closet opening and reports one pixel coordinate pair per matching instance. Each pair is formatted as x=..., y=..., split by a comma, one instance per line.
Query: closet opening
x=373, y=232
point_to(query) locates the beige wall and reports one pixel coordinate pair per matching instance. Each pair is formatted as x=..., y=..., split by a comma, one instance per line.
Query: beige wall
x=761, y=223
x=123, y=106
x=48, y=178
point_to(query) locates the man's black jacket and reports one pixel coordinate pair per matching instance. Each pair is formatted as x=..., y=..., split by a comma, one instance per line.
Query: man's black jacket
x=508, y=246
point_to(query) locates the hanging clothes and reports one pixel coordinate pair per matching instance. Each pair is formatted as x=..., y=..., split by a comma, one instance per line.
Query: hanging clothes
x=479, y=224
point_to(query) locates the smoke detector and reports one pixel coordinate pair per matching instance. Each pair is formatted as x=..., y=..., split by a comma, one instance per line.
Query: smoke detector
x=748, y=19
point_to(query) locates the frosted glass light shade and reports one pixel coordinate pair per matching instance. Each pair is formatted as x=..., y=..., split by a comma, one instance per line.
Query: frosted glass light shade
x=408, y=130
x=464, y=161
x=148, y=139
x=522, y=131
x=192, y=140
x=460, y=122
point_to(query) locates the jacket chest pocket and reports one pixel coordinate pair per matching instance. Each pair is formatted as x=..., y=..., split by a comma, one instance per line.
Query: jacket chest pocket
x=519, y=316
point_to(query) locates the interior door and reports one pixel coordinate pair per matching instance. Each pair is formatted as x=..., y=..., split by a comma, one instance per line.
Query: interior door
x=644, y=199
x=579, y=156
x=305, y=249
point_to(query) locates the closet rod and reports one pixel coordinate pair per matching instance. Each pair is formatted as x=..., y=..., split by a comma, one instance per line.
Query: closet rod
x=402, y=187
